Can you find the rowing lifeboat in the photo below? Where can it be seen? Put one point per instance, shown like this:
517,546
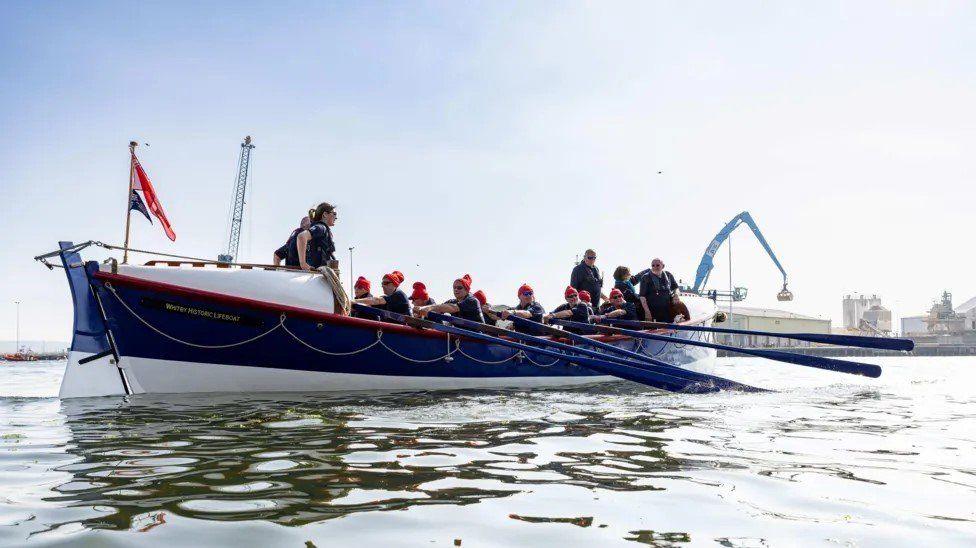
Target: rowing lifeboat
180,328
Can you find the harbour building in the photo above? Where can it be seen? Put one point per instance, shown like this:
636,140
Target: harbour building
866,316
772,321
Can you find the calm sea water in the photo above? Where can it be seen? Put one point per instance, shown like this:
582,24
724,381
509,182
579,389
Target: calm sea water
828,460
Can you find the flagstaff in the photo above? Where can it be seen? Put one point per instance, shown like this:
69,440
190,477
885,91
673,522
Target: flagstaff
128,201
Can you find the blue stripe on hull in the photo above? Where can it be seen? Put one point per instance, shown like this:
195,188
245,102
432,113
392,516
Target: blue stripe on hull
283,342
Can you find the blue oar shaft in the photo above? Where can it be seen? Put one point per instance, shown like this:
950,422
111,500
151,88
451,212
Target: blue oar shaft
631,356
829,364
651,364
656,380
881,343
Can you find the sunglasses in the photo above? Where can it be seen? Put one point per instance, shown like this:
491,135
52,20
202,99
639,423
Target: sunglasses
655,265
386,282
593,258
459,288
572,297
526,293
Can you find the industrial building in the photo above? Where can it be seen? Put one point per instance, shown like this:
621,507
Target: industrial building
866,315
769,320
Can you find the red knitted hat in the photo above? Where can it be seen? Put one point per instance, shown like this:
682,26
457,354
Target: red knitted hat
570,290
396,277
525,288
419,292
482,298
465,281
585,296
614,293
363,283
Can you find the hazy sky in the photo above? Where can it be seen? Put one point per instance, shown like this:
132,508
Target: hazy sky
502,139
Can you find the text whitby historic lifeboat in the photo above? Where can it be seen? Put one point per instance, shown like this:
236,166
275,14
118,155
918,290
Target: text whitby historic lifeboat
177,327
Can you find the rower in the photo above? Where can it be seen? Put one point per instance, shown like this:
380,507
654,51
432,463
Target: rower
463,305
584,296
392,299
419,297
527,308
486,311
617,307
656,291
289,251
361,291
315,245
573,309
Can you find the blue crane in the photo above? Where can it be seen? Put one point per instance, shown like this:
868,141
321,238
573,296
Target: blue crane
705,267
237,211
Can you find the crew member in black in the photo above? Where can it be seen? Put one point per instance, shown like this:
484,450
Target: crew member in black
463,305
617,307
315,245
656,291
528,308
486,312
392,299
587,277
289,251
419,297
573,309
362,292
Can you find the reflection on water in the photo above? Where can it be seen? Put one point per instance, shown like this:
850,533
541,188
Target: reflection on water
827,463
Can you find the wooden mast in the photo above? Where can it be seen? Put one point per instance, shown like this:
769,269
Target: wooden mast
128,201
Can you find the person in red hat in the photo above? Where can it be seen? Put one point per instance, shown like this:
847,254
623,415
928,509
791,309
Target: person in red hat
617,307
419,297
527,308
573,309
392,298
486,311
587,300
463,305
361,291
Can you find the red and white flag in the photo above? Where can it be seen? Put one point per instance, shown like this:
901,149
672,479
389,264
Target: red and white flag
140,182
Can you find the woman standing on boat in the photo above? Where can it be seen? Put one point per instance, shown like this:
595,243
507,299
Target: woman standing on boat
392,299
315,245
657,289
624,282
463,305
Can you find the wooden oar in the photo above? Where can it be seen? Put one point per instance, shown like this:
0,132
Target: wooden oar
649,378
842,366
627,357
859,341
